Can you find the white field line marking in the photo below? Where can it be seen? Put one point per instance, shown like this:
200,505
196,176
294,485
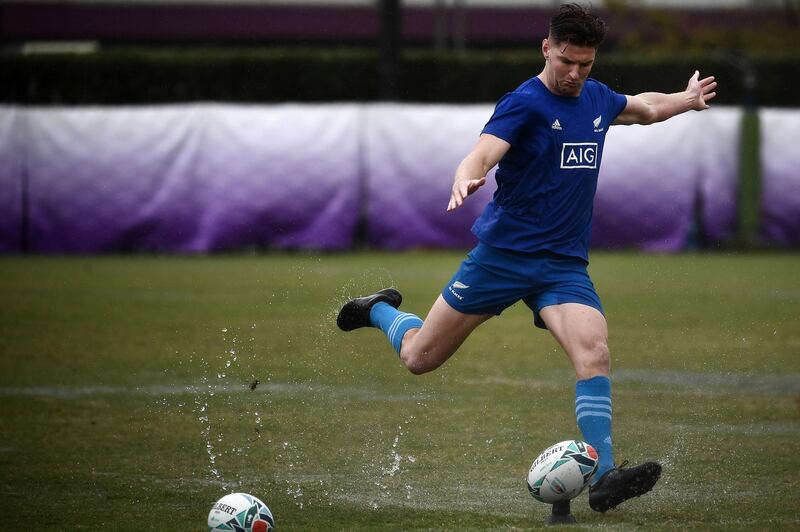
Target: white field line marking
309,391
785,384
771,384
750,429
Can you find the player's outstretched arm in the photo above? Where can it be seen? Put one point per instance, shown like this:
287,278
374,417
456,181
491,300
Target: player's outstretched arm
651,107
471,173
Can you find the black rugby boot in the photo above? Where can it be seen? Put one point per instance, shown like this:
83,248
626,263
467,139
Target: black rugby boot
620,484
355,313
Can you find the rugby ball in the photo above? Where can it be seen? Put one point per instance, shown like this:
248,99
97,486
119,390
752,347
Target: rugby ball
240,512
562,471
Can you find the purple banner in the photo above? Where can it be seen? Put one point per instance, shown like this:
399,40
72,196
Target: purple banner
192,178
648,193
284,176
201,178
11,180
411,157
654,180
644,201
113,179
780,176
717,139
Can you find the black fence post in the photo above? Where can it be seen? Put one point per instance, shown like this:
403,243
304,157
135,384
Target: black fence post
390,47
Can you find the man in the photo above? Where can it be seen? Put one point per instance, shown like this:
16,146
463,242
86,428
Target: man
547,137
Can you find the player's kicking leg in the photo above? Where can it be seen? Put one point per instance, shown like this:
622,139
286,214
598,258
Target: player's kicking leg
421,346
582,332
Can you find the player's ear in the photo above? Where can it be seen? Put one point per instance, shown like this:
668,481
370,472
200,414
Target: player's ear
546,48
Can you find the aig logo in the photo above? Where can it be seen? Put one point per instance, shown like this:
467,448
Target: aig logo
579,155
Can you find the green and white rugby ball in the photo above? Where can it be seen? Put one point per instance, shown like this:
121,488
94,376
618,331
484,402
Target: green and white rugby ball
562,471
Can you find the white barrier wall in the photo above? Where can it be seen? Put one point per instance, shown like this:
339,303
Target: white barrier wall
411,155
11,179
780,176
654,180
192,178
213,177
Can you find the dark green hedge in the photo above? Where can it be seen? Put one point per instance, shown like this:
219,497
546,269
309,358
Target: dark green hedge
136,76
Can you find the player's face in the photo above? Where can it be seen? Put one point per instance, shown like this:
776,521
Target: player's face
567,66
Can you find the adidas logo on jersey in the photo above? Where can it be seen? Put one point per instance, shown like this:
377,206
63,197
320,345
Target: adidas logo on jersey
556,125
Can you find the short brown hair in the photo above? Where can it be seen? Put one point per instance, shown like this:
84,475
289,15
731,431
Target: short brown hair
575,25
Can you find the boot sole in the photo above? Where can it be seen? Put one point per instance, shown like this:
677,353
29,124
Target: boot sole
637,487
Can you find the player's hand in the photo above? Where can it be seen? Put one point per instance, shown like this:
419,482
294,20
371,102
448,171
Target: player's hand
461,189
701,91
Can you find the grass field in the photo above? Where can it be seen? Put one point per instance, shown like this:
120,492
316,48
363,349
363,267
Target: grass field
126,401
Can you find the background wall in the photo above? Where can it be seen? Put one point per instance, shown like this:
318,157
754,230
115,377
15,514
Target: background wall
197,178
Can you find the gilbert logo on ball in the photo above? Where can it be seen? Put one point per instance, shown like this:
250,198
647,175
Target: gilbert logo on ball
240,512
562,471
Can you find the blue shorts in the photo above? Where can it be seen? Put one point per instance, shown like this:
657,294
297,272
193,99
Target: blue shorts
492,279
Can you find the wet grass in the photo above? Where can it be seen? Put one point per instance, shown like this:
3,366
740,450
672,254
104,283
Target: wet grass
126,400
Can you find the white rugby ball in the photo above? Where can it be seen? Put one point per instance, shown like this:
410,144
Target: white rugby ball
240,512
562,471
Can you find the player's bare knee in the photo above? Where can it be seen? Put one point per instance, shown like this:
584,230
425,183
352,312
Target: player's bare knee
598,359
419,359
419,367
415,361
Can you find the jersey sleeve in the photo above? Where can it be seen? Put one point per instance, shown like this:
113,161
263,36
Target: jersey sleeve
616,103
509,118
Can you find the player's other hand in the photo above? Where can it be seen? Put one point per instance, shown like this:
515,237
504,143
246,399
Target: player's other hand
701,91
461,189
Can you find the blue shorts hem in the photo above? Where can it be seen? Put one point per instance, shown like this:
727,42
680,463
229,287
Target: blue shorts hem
539,322
491,280
456,304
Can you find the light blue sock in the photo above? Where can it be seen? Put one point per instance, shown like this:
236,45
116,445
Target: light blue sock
593,412
394,323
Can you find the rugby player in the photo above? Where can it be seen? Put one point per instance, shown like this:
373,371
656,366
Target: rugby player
533,237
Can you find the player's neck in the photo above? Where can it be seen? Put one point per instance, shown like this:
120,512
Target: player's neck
549,85
544,79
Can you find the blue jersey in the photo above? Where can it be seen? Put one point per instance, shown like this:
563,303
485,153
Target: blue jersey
547,180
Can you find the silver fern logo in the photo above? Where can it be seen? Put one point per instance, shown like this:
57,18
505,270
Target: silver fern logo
457,285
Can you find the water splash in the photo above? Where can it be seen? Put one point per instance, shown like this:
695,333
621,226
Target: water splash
215,398
388,475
